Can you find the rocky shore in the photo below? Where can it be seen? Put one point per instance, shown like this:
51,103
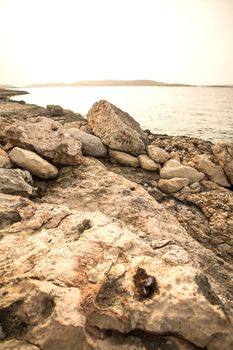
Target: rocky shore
112,237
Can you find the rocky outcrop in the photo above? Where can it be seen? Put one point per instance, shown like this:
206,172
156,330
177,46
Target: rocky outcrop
123,158
5,161
117,129
147,163
173,168
30,161
213,171
172,185
47,138
16,181
91,144
224,153
158,154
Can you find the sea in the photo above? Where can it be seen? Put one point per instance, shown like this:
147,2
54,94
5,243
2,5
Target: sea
203,112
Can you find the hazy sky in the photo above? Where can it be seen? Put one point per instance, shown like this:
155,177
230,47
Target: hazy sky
189,41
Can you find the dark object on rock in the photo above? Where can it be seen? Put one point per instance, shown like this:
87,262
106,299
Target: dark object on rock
146,285
55,110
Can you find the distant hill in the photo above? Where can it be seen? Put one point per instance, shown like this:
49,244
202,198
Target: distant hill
5,86
108,83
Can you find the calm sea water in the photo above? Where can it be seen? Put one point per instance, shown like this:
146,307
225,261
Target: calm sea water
202,112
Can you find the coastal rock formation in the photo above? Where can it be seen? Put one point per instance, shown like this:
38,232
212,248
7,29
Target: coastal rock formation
123,158
91,144
117,129
55,110
47,138
158,154
214,171
224,153
147,163
5,161
16,181
173,168
172,185
30,161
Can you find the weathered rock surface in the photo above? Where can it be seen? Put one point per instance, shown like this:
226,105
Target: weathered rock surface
214,171
55,110
172,185
158,154
47,138
91,144
123,158
16,181
77,271
172,168
224,153
5,161
147,163
32,162
117,129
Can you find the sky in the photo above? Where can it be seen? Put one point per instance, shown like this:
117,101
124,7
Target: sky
183,41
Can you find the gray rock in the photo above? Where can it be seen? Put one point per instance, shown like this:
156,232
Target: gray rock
172,185
147,163
91,144
158,154
16,182
30,161
123,158
224,153
47,138
55,110
117,129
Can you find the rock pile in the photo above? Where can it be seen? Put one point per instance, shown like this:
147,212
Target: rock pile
97,263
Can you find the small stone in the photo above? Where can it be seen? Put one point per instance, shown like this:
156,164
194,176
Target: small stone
173,169
172,185
147,163
55,110
158,154
124,158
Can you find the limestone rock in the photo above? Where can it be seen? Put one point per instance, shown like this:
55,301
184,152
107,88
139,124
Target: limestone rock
224,153
91,144
47,138
5,161
16,182
172,185
214,171
30,161
173,168
147,163
158,154
117,129
123,158
55,110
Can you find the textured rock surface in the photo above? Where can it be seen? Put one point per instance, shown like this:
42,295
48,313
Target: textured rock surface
91,144
32,162
172,185
147,163
214,171
5,161
158,154
123,158
172,168
224,153
73,267
16,181
117,129
55,110
47,138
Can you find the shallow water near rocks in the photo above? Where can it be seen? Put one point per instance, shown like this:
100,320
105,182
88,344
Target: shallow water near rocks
202,112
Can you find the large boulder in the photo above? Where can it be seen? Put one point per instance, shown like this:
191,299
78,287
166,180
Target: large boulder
55,110
224,153
123,158
172,185
158,154
91,144
5,161
214,171
47,138
32,162
172,168
117,129
17,182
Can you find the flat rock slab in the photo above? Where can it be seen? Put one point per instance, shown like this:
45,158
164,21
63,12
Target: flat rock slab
30,161
47,138
117,129
16,182
224,153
